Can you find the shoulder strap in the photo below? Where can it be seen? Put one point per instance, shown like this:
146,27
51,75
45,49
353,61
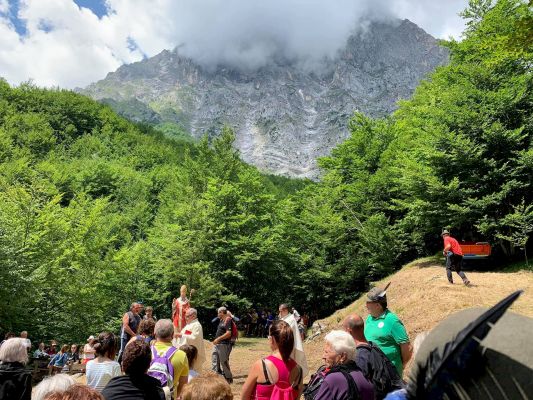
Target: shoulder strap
170,352
154,352
265,371
353,393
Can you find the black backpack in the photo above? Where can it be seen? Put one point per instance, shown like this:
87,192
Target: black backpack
383,373
312,388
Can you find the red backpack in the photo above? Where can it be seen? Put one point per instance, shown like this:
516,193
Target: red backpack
234,332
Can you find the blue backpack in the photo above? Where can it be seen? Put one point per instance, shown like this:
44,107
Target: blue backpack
161,367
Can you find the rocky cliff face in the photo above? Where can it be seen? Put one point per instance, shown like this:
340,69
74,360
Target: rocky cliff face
284,116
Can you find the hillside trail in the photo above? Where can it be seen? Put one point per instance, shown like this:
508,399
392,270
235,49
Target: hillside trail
419,294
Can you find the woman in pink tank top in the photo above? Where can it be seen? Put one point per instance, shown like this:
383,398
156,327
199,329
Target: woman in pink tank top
278,369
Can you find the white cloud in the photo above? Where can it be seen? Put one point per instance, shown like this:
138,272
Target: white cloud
68,46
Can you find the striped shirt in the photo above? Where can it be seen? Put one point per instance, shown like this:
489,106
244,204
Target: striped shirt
100,373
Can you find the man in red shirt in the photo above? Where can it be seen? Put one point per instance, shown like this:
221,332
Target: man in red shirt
454,257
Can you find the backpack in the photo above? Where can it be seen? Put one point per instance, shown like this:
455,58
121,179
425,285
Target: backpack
234,332
311,389
161,367
383,375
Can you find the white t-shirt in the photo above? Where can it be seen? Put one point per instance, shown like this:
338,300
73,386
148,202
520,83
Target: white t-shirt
100,373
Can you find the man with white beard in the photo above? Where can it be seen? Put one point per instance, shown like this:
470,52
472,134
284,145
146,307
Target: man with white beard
298,353
192,334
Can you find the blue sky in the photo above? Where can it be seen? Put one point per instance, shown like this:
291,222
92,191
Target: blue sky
96,6
72,43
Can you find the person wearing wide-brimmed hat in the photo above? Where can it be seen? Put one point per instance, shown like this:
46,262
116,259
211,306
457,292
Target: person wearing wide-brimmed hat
454,257
384,328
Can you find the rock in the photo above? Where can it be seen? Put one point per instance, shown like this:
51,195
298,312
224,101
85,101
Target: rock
284,116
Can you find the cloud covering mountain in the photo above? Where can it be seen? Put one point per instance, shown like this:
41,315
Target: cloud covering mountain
57,42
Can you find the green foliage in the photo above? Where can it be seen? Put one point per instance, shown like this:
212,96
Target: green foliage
97,212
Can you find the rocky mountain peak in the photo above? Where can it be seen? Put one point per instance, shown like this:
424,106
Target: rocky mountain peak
285,114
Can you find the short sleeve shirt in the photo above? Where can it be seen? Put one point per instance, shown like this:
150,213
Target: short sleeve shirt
387,332
178,360
223,327
455,247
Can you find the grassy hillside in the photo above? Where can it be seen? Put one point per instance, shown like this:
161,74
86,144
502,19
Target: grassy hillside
422,297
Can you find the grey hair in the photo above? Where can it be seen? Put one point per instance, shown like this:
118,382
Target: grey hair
56,383
164,329
192,311
14,350
342,342
223,310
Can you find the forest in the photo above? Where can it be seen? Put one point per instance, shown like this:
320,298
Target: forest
97,211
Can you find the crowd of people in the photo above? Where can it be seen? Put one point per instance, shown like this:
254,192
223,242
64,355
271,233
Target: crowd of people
164,359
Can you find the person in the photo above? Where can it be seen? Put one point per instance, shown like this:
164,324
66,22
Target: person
385,329
15,379
279,367
24,335
269,321
192,355
298,353
454,257
145,332
130,324
58,361
149,314
374,364
52,349
493,357
75,392
192,334
209,386
164,332
179,309
40,352
72,357
88,350
222,345
339,354
56,383
104,367
135,384
7,336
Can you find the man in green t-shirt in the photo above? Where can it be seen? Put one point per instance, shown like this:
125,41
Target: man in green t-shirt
386,330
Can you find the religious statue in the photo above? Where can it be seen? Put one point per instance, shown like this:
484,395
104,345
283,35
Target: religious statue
179,308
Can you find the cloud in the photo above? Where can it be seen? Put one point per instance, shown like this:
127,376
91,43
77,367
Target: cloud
68,46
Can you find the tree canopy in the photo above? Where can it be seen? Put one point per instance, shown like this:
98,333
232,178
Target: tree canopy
97,212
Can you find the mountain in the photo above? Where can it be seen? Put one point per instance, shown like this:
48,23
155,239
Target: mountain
284,116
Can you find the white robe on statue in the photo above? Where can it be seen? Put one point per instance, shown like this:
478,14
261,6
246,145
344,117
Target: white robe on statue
193,334
298,353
